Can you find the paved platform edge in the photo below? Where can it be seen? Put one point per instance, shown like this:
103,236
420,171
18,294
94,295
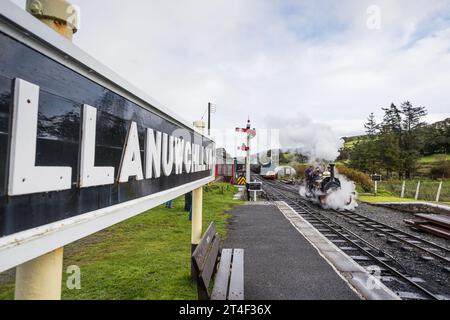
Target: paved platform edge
352,273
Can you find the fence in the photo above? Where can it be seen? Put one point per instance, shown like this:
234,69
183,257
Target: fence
428,189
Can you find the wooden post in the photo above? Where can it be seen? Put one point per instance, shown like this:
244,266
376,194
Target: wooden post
417,191
376,187
402,195
197,211
40,278
438,194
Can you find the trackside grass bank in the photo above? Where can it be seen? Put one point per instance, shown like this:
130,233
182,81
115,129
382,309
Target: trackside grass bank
146,257
389,198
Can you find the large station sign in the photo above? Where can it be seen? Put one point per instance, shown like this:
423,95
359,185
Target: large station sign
80,148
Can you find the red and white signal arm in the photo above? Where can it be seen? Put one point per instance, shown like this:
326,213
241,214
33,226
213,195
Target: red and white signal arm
250,132
244,147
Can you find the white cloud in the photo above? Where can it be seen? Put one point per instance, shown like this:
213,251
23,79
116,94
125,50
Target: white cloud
276,58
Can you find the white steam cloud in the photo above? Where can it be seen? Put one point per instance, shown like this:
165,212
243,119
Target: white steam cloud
343,198
312,139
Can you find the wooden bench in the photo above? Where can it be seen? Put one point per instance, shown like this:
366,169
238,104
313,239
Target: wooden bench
226,267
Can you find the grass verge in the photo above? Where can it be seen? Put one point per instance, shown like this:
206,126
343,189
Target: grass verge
146,257
389,198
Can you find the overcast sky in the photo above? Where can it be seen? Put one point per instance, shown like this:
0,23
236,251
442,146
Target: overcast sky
333,62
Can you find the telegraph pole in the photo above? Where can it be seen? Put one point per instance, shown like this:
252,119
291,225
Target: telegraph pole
209,118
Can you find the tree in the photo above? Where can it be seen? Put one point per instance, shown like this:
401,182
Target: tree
412,116
371,126
397,142
371,146
392,120
410,140
389,140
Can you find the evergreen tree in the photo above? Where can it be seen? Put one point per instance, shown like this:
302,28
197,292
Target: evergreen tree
370,146
411,142
396,144
392,120
390,137
371,126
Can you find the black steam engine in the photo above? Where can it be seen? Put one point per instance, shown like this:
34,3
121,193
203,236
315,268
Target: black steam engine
331,182
319,184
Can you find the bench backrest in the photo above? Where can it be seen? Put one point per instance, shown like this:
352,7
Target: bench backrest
204,260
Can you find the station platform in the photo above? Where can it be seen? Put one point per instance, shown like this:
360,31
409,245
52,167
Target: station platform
279,262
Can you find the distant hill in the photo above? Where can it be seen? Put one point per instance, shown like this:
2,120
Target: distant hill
349,141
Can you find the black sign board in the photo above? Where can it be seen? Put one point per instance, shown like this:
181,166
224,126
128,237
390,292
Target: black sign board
254,186
376,177
70,145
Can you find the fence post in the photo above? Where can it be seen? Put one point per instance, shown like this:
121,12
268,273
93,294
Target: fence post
417,191
402,195
438,195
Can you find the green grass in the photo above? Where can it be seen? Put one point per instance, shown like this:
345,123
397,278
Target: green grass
428,189
350,144
386,196
146,257
434,158
382,198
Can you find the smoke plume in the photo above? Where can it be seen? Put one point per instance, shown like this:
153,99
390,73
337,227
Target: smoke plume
341,199
315,140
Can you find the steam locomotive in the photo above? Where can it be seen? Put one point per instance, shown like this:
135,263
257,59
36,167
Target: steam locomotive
319,186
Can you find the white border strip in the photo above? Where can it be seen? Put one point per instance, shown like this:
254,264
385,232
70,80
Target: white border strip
26,245
43,39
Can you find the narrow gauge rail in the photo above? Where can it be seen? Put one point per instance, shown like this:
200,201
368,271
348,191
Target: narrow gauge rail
349,241
371,225
399,235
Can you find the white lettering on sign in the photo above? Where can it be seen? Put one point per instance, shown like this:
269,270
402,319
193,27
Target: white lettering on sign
90,175
179,146
187,157
169,153
152,154
24,176
131,164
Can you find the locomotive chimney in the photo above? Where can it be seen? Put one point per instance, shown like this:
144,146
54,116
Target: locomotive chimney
332,165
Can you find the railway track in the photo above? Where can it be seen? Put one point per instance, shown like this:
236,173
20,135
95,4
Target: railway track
364,253
393,234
